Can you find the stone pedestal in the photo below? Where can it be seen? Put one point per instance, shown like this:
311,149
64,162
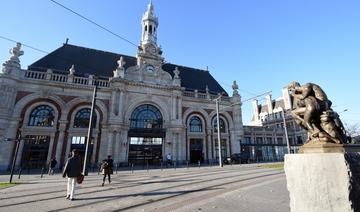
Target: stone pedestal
319,182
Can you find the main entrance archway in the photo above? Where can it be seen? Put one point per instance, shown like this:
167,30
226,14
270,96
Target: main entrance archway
146,135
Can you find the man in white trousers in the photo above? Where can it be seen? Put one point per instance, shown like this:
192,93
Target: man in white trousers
72,170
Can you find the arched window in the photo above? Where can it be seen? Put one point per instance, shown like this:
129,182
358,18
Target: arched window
195,124
146,116
222,125
43,116
145,28
82,118
150,29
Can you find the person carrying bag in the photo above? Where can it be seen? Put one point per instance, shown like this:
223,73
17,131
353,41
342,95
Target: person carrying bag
107,169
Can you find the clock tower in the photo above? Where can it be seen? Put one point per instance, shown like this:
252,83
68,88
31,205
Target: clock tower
149,53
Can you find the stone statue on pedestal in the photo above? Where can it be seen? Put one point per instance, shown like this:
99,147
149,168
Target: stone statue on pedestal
313,112
14,62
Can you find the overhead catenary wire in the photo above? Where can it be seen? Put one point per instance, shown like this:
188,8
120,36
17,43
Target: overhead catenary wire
93,22
31,47
46,52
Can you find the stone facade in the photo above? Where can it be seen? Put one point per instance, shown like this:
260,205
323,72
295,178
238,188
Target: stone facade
47,107
265,138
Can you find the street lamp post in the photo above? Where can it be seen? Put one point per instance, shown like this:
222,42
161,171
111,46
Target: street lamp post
86,159
286,132
218,130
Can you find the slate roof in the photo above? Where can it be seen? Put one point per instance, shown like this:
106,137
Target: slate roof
96,62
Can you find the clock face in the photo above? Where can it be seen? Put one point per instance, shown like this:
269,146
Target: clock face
150,69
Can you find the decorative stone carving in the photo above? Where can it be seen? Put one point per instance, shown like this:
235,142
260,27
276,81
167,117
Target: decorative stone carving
235,88
176,73
72,70
313,112
120,70
176,80
14,62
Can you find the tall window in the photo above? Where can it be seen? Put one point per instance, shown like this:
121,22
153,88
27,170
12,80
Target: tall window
222,125
82,118
146,116
195,124
43,116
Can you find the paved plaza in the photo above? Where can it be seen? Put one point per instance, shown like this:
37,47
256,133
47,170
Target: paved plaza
231,188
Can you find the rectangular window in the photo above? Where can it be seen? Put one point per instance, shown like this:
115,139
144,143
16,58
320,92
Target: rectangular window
269,140
279,140
259,140
247,140
78,140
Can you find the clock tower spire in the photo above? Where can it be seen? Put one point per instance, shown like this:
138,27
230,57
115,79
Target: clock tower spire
149,52
149,26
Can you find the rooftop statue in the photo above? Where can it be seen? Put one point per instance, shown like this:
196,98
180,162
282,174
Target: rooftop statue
313,112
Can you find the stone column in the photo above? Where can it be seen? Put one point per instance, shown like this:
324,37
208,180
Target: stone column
209,144
173,143
110,146
52,139
121,105
68,147
93,156
19,155
118,145
6,149
168,142
60,141
113,101
124,142
103,143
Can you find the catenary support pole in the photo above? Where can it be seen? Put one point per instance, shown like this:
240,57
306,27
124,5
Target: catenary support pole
86,158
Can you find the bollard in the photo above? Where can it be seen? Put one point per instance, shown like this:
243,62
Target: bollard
98,169
161,164
132,168
117,165
20,170
174,165
187,164
147,166
42,172
199,164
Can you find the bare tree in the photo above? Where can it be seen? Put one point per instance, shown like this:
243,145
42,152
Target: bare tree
353,131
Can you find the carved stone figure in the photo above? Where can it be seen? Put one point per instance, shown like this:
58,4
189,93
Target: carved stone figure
120,70
313,112
235,88
14,61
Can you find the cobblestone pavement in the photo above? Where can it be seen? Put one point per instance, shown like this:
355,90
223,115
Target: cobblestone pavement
231,188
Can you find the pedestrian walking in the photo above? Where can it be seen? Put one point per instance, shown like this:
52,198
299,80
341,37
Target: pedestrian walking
107,169
72,170
168,159
52,165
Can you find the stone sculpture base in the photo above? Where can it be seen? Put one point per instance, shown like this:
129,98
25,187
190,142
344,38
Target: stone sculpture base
319,182
328,148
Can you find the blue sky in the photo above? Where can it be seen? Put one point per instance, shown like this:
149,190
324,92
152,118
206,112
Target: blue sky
262,44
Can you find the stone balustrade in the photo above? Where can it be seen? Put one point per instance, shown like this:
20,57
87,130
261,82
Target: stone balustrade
62,78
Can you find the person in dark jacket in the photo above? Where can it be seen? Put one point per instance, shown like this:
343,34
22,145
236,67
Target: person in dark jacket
72,170
107,168
52,165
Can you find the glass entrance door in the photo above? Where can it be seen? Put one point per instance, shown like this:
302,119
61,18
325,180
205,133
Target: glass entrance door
144,150
35,151
196,148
